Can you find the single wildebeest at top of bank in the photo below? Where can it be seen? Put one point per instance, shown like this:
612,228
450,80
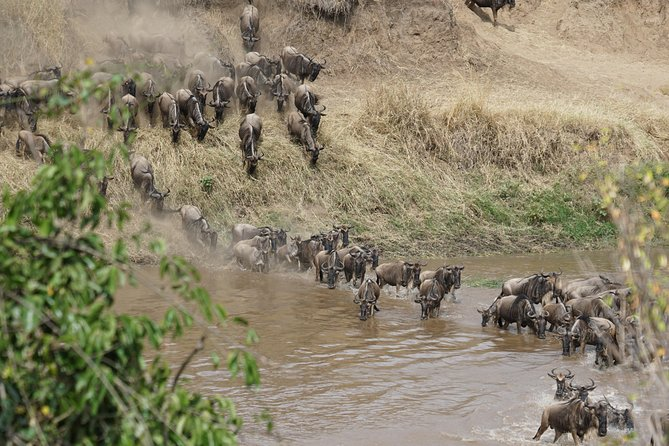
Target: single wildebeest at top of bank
299,65
495,5
249,25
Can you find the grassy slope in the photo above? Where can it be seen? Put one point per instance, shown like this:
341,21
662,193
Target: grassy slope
416,172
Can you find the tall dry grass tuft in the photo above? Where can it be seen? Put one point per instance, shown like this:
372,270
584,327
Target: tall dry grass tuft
333,9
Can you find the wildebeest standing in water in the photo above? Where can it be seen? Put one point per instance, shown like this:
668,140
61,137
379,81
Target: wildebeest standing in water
367,296
574,416
250,130
249,25
495,5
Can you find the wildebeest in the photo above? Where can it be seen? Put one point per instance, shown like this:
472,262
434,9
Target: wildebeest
39,92
432,292
300,65
157,43
592,306
282,87
581,392
395,274
14,101
212,66
562,392
557,315
143,179
305,102
307,250
198,85
247,93
249,25
489,313
103,184
367,296
659,421
245,231
38,144
457,273
535,287
519,309
329,263
590,290
288,252
196,226
619,418
270,67
264,246
595,331
221,96
250,130
249,257
495,5
574,416
190,109
299,128
169,111
355,263
129,116
147,94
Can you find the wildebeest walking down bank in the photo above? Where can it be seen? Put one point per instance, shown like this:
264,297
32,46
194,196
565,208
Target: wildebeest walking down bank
250,130
190,109
36,143
249,25
299,129
299,65
196,226
495,5
169,111
247,93
143,180
221,96
305,102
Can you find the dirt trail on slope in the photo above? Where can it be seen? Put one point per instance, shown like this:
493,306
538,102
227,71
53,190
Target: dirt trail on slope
575,49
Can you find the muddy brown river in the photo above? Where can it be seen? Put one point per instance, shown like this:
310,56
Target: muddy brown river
330,379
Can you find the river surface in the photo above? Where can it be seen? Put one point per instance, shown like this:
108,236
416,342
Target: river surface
330,379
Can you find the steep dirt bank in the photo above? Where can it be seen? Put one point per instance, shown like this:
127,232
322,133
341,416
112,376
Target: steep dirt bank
444,135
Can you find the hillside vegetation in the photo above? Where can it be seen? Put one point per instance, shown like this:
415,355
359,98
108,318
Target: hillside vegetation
444,136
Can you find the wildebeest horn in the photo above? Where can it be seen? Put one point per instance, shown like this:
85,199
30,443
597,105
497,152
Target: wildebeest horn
552,374
262,155
569,374
166,193
324,62
356,301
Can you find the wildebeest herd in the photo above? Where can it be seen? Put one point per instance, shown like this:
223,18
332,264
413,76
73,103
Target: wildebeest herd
595,311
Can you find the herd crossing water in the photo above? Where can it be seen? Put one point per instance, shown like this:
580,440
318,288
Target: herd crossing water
330,379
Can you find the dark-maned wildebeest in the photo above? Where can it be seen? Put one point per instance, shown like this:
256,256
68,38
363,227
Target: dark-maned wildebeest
247,93
196,226
519,310
198,85
330,264
221,96
432,292
562,392
581,392
299,128
307,250
289,252
263,244
590,290
495,5
249,25
169,111
282,87
250,130
536,287
190,109
16,103
574,416
395,274
619,418
299,65
595,331
367,296
592,306
147,94
489,313
355,263
305,102
249,257
270,67
37,143
557,315
456,270
143,179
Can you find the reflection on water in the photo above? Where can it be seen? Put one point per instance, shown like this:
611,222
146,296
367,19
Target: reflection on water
329,378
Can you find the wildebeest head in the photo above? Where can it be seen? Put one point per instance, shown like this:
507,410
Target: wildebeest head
158,200
368,301
314,68
583,391
456,276
599,411
487,313
281,237
562,392
332,267
622,419
129,86
511,3
539,321
202,130
314,119
415,273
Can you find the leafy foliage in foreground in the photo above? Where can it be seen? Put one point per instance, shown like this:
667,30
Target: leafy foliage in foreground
71,370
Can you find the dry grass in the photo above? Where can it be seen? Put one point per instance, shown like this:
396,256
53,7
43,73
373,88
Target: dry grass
334,9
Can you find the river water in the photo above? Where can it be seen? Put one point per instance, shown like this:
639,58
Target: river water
330,379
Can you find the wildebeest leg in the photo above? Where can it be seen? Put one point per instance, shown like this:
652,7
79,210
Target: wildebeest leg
542,428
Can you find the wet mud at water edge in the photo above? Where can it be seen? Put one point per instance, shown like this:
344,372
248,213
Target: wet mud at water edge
330,379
